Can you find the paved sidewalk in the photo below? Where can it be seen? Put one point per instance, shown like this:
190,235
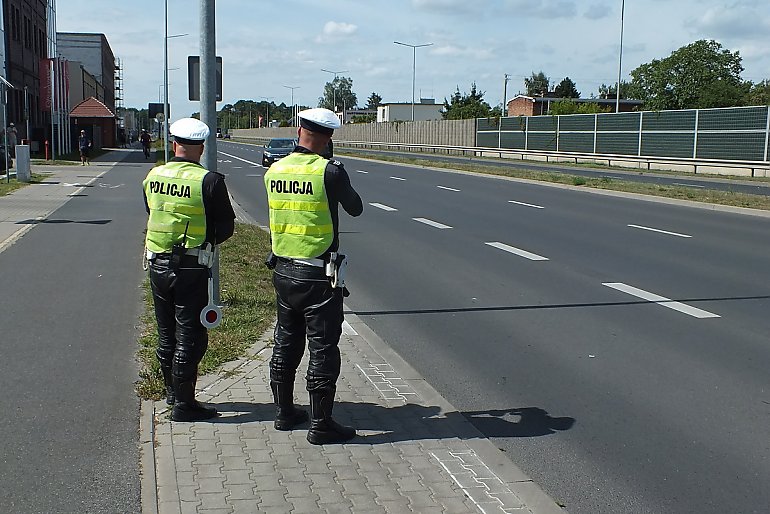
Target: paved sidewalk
414,451
23,208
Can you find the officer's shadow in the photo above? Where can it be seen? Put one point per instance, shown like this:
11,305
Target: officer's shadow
377,424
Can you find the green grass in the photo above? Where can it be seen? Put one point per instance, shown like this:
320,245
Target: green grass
12,185
513,170
248,309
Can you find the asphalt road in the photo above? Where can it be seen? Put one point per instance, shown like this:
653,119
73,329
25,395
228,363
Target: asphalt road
616,349
702,181
68,310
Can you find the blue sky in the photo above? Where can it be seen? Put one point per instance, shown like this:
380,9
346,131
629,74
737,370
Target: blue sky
266,45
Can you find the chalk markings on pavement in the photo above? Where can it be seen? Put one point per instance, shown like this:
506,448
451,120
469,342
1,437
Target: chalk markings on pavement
383,206
397,178
432,223
659,231
516,251
527,204
661,300
687,185
448,188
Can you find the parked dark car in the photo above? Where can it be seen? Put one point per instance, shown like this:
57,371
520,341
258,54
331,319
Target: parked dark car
277,148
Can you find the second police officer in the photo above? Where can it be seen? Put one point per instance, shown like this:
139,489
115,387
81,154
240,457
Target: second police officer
190,212
304,190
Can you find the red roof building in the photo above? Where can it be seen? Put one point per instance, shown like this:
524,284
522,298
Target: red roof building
96,119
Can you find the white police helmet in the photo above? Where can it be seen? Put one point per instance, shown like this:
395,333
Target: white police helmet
319,120
189,130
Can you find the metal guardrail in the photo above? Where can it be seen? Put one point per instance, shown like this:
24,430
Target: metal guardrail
755,168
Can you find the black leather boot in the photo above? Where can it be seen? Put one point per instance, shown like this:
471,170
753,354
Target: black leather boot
168,380
187,408
323,429
287,415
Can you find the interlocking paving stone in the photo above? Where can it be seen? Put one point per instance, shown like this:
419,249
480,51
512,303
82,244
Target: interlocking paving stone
407,457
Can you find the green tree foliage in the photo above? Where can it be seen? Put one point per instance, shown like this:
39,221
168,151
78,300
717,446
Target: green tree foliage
566,89
538,84
699,75
759,94
606,91
569,106
340,90
374,101
466,106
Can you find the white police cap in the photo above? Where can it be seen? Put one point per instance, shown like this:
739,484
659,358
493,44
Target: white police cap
321,117
189,130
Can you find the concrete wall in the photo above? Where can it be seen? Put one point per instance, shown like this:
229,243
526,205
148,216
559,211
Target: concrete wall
437,132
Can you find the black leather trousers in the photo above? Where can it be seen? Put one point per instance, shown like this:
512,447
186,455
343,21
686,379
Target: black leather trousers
179,296
308,307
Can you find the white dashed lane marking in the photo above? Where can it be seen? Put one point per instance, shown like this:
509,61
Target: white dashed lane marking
448,188
432,223
527,204
362,171
397,178
686,185
516,251
661,300
383,207
659,231
348,330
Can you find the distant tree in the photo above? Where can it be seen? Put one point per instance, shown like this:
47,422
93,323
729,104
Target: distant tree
607,92
538,84
363,118
466,106
569,106
566,89
699,75
340,90
374,101
759,93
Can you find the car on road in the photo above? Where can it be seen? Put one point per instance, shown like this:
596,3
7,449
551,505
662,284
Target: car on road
277,148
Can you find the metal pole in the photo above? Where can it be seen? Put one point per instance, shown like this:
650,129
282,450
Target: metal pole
767,132
208,102
26,111
53,110
165,83
414,66
504,109
620,58
4,92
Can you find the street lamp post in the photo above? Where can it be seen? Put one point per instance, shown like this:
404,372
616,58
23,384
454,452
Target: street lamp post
334,87
620,58
414,65
166,37
293,107
267,108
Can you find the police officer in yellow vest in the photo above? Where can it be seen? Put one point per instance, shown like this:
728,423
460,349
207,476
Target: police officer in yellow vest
190,212
304,190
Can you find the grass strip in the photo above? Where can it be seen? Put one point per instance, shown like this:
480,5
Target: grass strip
729,198
12,185
248,309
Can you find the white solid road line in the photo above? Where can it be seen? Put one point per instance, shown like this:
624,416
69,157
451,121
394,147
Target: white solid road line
432,223
361,171
448,188
517,251
527,204
686,185
661,300
659,230
397,178
383,207
239,158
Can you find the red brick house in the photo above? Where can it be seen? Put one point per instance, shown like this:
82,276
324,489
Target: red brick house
96,119
522,105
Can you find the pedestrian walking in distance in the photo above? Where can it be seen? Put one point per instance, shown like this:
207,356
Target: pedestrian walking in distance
85,144
304,191
190,213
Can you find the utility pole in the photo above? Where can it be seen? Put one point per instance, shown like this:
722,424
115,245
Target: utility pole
620,58
334,87
506,78
414,65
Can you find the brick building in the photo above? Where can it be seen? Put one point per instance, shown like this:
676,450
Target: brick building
26,43
522,105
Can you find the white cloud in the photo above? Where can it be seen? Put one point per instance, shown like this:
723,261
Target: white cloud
598,11
442,6
333,28
464,52
547,9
